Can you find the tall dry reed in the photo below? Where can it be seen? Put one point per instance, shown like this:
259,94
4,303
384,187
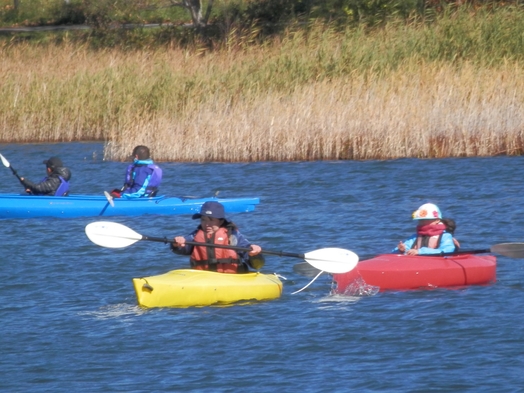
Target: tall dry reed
311,94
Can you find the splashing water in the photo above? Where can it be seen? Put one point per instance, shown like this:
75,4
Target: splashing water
358,288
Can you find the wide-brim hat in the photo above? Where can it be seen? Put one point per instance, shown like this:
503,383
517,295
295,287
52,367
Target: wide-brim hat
53,162
211,209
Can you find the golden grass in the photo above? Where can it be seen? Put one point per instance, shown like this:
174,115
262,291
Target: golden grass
437,112
324,96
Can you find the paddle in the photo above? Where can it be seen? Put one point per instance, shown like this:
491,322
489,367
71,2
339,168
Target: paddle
8,165
109,199
510,250
114,235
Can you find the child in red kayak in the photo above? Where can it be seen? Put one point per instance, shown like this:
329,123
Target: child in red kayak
434,233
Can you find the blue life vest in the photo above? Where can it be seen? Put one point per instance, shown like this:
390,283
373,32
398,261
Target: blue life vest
63,189
143,177
156,179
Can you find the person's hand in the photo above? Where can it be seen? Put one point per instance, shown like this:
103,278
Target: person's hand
255,250
116,193
412,252
179,241
401,247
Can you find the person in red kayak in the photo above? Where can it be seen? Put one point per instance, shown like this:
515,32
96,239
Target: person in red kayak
434,233
214,228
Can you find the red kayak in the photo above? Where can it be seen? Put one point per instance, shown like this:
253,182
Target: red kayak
401,272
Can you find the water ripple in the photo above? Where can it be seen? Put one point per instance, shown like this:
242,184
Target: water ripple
70,320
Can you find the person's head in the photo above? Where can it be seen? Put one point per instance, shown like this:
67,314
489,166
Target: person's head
428,213
53,163
141,152
450,224
212,216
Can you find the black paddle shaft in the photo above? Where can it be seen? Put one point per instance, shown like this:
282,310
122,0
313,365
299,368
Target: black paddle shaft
16,174
279,253
485,251
8,164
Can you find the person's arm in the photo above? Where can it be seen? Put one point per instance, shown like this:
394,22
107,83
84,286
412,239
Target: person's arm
128,179
45,187
186,249
407,245
446,245
241,241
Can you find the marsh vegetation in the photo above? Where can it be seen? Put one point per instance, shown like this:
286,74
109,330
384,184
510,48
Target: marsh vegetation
407,88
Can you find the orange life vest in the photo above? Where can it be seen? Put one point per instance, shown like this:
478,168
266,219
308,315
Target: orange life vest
220,260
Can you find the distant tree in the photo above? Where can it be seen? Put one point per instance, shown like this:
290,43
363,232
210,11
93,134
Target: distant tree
195,9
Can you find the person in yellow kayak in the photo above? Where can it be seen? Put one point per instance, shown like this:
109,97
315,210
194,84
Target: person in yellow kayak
214,228
434,233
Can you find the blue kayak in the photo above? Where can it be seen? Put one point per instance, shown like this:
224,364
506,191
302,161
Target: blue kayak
30,206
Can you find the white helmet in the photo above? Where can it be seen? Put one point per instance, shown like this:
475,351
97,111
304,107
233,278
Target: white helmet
427,211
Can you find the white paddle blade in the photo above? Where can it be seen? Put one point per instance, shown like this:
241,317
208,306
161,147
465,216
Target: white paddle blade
111,234
332,260
4,161
109,198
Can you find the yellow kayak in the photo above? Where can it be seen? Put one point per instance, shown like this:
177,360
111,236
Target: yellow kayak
187,288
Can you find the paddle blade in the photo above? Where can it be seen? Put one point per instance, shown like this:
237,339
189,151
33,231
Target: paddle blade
111,234
511,250
4,161
109,198
305,269
332,260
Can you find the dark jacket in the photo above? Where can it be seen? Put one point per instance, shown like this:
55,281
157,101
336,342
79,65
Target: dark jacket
50,184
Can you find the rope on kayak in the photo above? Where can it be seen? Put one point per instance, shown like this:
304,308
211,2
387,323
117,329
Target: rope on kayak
311,282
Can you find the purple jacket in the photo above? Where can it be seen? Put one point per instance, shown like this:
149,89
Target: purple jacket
143,177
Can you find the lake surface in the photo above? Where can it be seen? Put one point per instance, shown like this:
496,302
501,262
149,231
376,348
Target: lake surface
70,322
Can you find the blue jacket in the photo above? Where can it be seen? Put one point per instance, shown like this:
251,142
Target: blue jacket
241,241
143,178
446,245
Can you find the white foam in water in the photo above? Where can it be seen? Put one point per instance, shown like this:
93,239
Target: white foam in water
115,311
360,288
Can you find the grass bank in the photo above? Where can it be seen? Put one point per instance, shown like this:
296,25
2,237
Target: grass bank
454,87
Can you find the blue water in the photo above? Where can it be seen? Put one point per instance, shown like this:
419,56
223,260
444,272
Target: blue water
69,320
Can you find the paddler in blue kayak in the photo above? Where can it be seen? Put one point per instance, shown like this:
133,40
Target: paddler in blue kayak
143,176
56,182
434,233
214,228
